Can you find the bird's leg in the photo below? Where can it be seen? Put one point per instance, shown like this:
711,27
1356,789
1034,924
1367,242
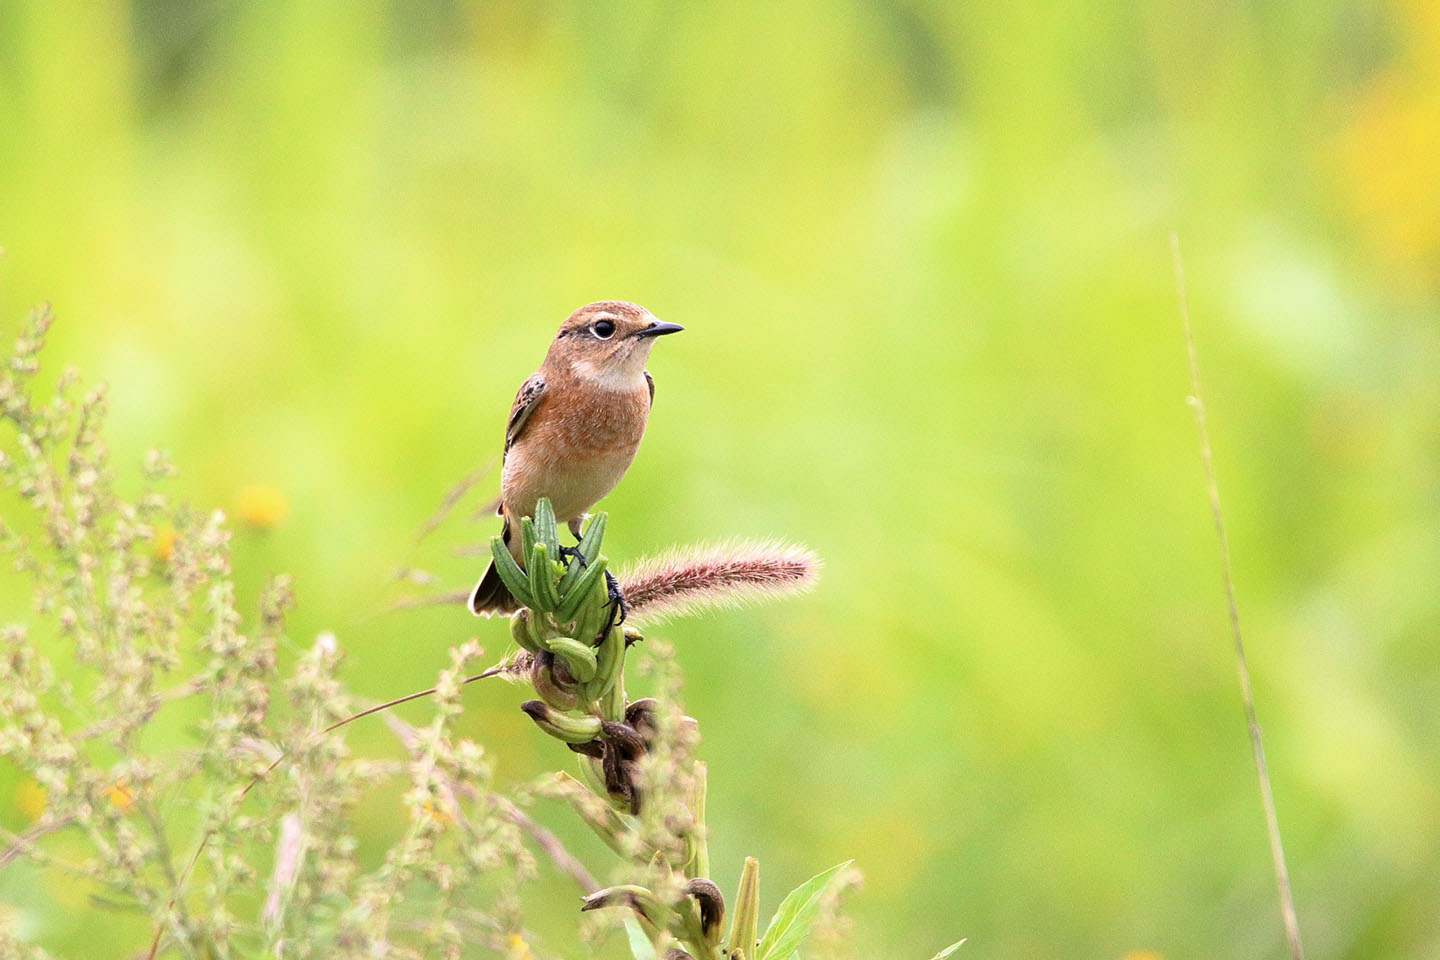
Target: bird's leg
617,599
567,552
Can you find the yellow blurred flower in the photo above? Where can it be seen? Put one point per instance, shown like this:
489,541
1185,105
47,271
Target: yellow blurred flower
1142,955
261,505
121,795
519,949
30,799
438,812
1390,156
162,545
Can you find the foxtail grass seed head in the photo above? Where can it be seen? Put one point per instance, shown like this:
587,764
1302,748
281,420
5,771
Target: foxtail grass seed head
688,580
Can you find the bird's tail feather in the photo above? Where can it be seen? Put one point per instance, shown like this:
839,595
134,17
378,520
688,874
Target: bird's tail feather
490,595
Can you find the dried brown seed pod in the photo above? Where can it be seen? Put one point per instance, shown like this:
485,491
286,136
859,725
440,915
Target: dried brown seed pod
590,748
640,714
712,906
625,738
620,776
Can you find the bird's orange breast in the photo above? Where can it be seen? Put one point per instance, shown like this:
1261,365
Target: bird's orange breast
574,449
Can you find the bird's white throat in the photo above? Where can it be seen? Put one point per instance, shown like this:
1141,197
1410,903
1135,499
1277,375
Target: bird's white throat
626,374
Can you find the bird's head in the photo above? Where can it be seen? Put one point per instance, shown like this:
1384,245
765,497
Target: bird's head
608,342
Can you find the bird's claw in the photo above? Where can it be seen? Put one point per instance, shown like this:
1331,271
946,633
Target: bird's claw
568,553
617,599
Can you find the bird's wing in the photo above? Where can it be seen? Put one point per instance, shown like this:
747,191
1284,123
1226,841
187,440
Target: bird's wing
532,391
650,382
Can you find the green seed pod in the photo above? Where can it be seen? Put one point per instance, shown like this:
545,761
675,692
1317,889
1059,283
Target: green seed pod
577,656
510,572
541,627
542,579
542,677
527,538
562,726
612,704
590,620
520,630
607,665
593,535
545,528
589,550
581,590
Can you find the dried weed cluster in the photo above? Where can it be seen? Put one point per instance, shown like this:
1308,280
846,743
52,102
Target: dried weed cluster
175,770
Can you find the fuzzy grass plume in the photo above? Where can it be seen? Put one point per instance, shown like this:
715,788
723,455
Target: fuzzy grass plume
684,581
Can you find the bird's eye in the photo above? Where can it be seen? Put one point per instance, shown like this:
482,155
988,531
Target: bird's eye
603,329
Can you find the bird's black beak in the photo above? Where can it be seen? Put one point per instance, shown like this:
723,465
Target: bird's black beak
659,328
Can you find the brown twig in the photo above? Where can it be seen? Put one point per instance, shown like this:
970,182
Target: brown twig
1267,797
25,842
453,496
448,598
563,859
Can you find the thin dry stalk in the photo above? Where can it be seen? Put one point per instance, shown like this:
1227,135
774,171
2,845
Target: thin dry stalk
1267,797
564,860
453,496
448,598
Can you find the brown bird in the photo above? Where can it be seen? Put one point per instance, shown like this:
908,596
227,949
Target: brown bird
575,426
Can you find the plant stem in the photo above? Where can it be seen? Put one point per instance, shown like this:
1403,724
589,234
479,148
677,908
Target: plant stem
1247,697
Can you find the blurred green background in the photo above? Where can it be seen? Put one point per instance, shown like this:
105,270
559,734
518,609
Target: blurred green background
921,254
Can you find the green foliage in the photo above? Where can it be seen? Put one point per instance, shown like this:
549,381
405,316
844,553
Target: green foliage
919,249
798,912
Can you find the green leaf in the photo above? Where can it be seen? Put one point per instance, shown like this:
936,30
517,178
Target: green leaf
792,922
640,944
949,950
